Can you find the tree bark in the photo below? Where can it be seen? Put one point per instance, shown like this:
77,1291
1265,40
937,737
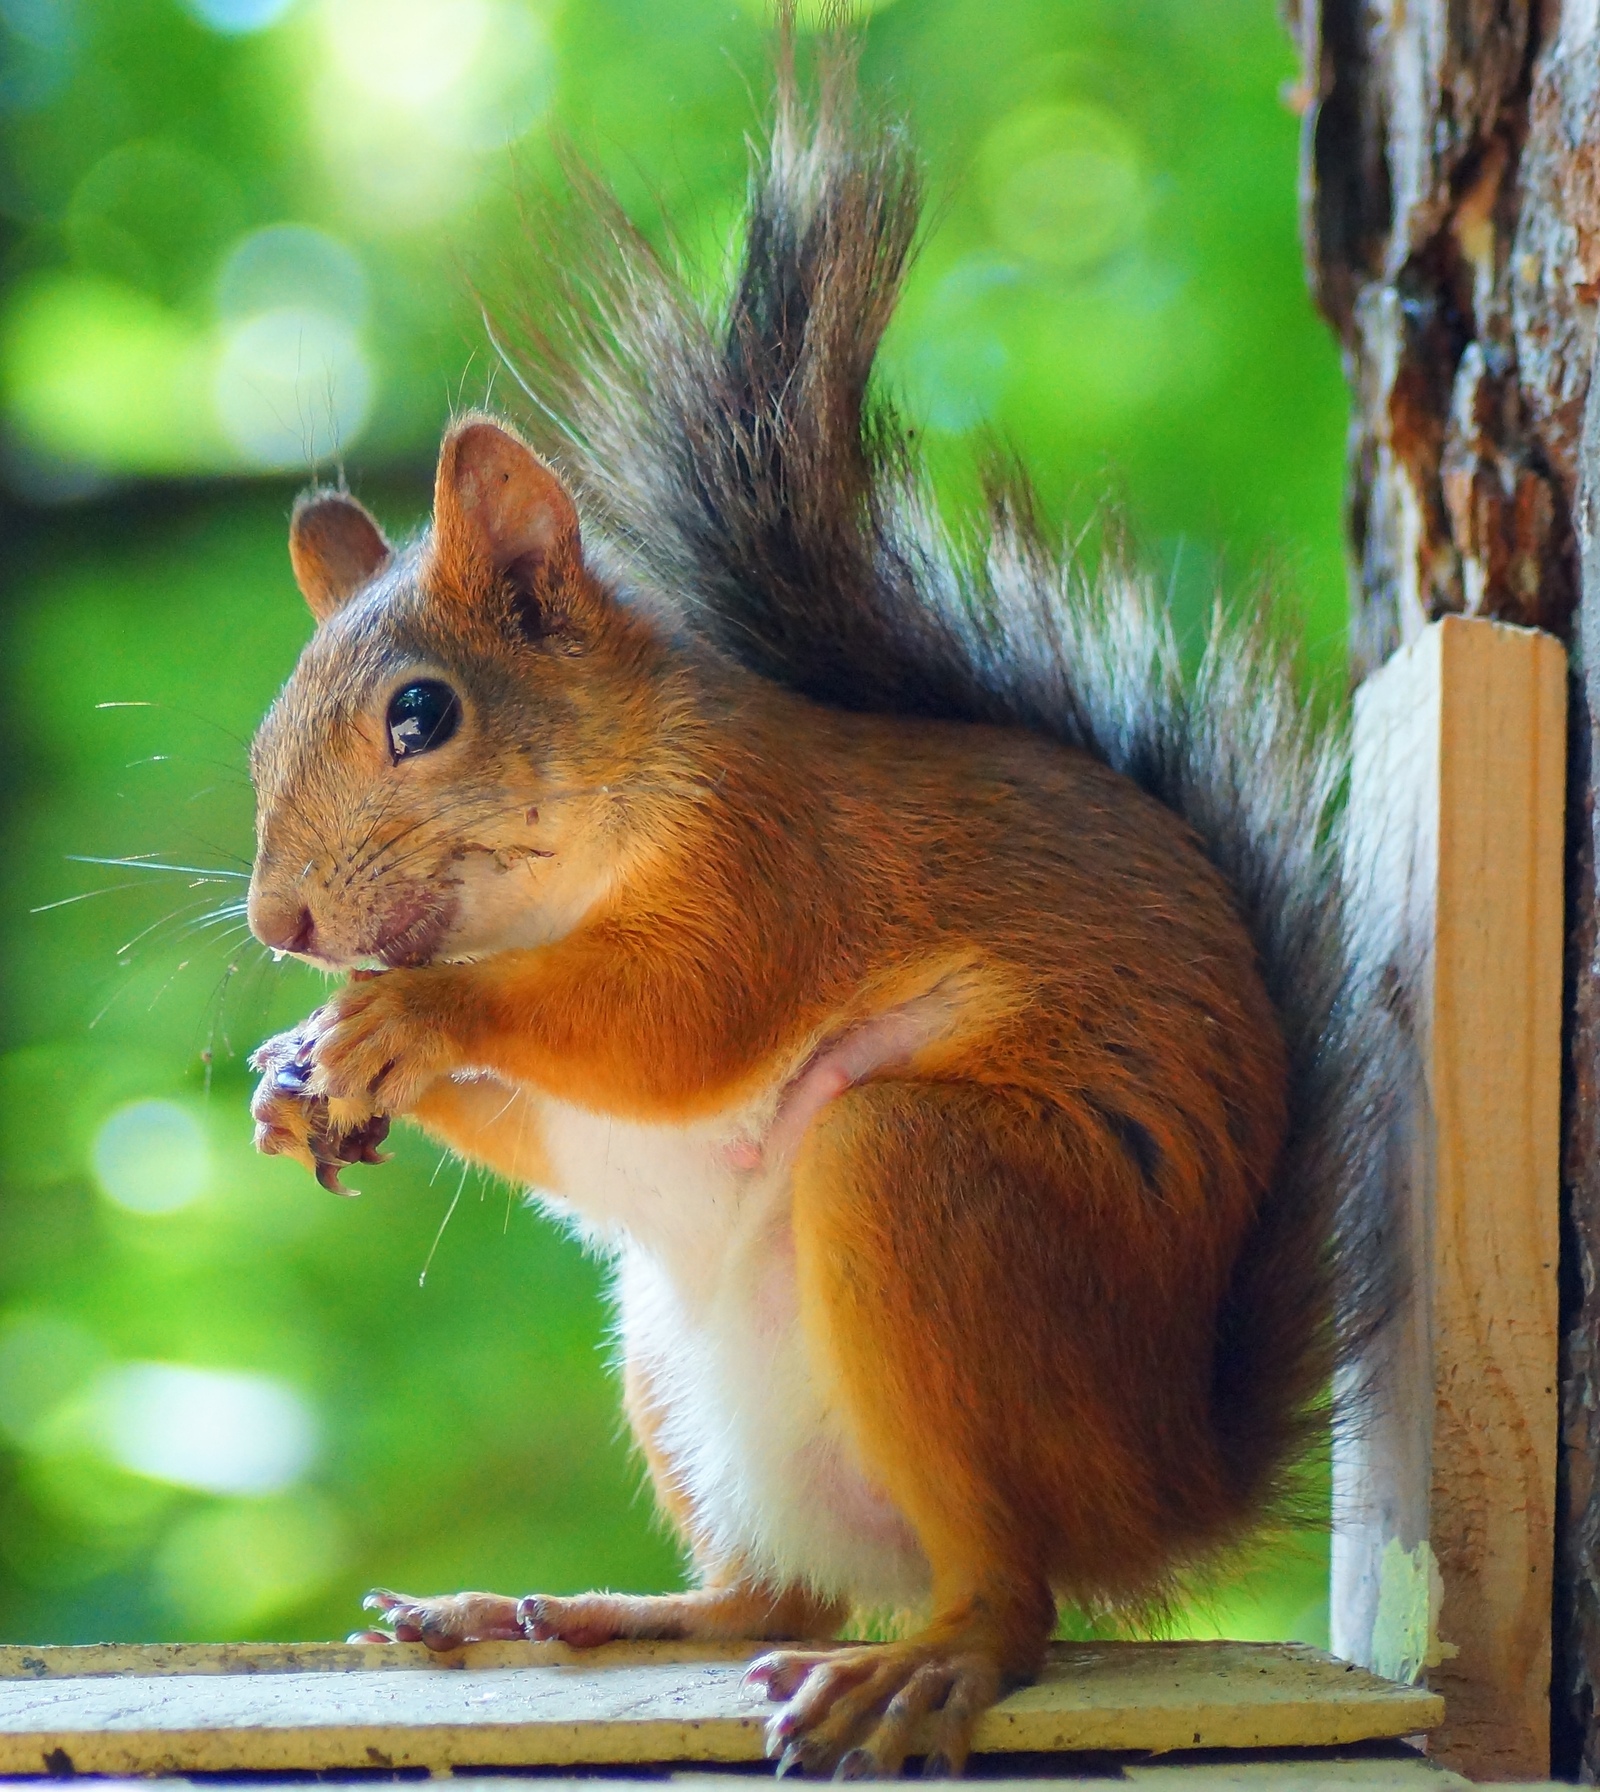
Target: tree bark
1450,193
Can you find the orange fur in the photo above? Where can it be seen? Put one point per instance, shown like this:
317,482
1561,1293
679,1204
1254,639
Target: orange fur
1014,1239
487,1122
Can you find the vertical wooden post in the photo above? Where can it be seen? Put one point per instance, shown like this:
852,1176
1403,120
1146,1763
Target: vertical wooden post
1444,1507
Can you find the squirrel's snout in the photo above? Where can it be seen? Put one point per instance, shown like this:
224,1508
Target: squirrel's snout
282,926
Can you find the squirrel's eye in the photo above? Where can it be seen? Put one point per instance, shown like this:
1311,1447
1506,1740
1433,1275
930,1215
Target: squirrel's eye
422,716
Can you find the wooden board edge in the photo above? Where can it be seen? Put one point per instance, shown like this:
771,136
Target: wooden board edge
73,1661
70,1661
1161,1729
721,1740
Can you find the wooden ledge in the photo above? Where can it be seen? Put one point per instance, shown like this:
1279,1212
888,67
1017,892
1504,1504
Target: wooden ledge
183,1708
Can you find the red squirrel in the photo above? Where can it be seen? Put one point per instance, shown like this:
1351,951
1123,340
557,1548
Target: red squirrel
942,1010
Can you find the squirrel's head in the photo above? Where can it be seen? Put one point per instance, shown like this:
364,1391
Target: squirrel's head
447,772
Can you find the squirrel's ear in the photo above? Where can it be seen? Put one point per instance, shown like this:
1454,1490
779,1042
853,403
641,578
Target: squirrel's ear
495,501
334,547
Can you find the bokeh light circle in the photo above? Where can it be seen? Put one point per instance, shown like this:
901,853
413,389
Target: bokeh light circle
289,265
237,18
1065,185
293,386
154,214
216,1430
240,1563
410,51
151,1157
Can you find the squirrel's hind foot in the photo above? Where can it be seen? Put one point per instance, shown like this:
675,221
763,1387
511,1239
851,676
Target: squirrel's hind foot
860,1711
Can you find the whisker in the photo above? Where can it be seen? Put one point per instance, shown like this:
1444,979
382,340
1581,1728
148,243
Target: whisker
84,896
214,1007
194,715
156,925
115,996
385,859
238,931
229,908
143,862
222,852
232,770
177,971
455,1201
382,810
202,922
355,870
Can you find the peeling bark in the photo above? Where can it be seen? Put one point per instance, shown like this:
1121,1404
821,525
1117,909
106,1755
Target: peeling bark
1445,145
1450,187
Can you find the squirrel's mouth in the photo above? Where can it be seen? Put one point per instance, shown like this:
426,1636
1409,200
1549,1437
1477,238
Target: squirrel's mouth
413,932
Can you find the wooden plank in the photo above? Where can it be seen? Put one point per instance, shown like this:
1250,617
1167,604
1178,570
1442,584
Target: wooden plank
308,1707
1444,1508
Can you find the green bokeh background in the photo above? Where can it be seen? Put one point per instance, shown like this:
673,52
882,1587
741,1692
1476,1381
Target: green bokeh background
1111,285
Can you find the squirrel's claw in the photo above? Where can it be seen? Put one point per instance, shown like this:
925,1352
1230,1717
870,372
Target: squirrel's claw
327,1173
337,1150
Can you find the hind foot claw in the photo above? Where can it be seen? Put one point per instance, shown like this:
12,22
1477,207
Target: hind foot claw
859,1712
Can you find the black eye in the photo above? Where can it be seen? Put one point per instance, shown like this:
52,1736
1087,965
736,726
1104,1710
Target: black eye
422,716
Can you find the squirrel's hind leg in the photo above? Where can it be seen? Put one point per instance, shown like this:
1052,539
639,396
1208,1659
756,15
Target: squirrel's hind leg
922,1222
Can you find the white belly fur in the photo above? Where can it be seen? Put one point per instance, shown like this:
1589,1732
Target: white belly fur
707,1305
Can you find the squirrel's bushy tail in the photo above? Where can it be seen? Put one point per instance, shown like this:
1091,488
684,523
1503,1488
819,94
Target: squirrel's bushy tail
742,463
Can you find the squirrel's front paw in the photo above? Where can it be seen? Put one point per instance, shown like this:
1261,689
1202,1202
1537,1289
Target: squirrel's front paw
379,1043
291,1121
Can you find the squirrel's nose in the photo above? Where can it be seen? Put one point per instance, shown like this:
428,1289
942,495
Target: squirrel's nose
282,926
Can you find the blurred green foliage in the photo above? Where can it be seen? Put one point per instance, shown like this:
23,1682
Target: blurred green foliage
239,242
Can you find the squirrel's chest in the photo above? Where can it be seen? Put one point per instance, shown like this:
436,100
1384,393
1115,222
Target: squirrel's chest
681,1192
698,1219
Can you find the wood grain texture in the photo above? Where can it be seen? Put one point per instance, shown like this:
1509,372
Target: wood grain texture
1445,1508
294,1708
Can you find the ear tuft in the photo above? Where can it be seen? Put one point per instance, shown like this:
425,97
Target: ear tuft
495,501
335,547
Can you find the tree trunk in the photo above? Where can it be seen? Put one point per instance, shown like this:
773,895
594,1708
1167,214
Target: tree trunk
1450,191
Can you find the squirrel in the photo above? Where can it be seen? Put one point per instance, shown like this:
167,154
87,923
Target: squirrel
945,1012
